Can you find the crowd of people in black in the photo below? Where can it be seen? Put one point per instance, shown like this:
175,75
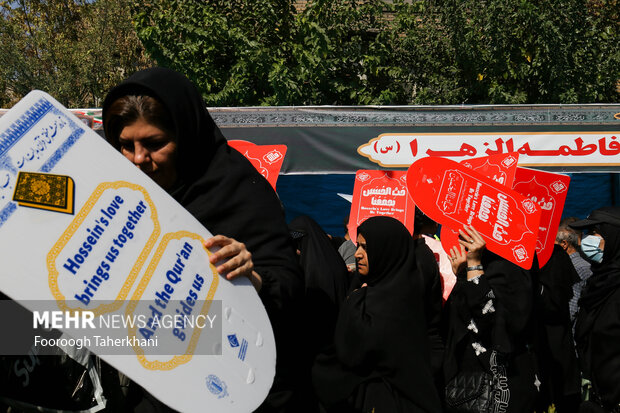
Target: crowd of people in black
378,335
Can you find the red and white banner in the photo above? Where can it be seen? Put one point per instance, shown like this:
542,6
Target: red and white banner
500,168
548,190
535,148
380,193
267,159
455,195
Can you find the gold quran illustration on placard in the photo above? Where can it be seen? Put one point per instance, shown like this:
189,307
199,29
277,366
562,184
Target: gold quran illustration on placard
44,191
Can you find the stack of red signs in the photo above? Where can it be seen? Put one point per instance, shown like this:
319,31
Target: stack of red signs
267,159
380,193
511,221
500,168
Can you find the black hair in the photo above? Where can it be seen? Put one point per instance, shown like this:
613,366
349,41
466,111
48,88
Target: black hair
126,110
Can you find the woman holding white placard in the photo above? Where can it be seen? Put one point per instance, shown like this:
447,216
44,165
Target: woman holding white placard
158,120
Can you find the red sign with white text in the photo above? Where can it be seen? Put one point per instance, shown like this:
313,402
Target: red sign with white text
380,193
548,190
455,195
267,159
500,168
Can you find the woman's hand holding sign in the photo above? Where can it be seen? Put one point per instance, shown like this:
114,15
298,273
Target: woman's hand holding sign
458,257
238,259
472,246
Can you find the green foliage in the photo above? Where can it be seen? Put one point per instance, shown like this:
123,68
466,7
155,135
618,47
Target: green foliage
425,54
73,49
341,52
524,51
226,47
263,53
359,52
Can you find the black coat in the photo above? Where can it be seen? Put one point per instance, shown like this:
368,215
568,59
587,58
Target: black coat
597,331
223,191
489,328
559,368
381,358
433,306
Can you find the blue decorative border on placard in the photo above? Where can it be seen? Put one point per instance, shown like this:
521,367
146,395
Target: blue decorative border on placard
22,126
60,152
78,131
6,212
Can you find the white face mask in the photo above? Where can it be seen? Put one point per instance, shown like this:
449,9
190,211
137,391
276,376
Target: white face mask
590,247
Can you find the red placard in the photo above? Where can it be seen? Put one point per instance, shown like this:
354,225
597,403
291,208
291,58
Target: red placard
267,159
455,195
500,168
549,191
378,193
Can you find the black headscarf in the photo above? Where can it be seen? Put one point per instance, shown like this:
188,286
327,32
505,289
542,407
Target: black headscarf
219,187
198,138
223,191
381,330
325,272
387,252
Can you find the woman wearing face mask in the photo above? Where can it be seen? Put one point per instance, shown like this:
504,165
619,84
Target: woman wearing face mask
597,332
592,246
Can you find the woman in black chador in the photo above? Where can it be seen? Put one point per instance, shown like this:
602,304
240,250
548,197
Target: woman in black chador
158,120
381,358
490,329
326,281
597,332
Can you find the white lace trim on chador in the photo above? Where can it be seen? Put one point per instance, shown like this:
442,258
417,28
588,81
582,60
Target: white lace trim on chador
478,348
472,326
488,307
537,383
500,380
475,280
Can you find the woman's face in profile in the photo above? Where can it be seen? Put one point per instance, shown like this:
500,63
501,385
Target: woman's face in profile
361,256
151,150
